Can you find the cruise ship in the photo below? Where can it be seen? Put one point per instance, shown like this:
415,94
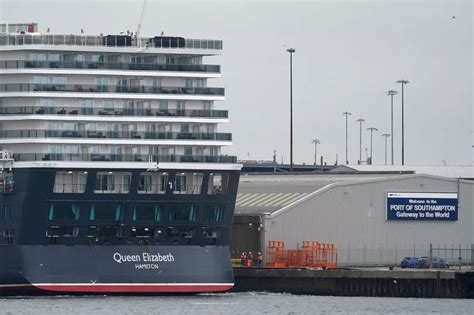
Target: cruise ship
112,175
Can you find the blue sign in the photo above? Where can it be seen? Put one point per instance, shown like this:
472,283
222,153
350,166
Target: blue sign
422,206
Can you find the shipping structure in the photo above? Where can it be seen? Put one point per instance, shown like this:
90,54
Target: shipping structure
112,175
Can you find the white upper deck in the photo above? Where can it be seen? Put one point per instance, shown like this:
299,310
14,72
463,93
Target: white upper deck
26,36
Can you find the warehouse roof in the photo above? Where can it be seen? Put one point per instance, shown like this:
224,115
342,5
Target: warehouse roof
268,193
436,170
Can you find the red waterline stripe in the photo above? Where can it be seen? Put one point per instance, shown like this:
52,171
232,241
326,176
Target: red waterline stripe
136,288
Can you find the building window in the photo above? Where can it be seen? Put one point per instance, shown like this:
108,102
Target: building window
214,213
7,211
111,212
63,211
183,213
147,212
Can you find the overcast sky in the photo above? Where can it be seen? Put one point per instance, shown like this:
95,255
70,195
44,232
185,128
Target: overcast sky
348,54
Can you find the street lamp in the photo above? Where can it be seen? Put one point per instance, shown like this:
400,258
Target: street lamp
371,129
360,120
291,51
386,135
403,82
316,142
391,93
347,114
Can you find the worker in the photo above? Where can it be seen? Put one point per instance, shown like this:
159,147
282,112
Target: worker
243,259
249,260
260,260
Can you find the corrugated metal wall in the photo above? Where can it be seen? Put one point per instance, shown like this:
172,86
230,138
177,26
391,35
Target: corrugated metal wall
353,216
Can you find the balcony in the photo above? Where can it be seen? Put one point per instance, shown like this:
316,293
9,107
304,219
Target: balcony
104,111
87,88
103,41
93,134
125,158
22,64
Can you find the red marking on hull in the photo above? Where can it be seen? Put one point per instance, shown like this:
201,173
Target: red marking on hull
143,288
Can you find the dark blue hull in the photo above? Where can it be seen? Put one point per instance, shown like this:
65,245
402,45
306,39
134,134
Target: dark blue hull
115,269
40,254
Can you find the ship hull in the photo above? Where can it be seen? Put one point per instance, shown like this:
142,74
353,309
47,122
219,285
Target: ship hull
114,269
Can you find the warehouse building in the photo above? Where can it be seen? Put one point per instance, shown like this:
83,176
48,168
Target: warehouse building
373,219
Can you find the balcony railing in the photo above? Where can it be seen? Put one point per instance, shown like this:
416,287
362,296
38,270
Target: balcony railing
103,111
22,64
32,87
101,41
124,157
41,133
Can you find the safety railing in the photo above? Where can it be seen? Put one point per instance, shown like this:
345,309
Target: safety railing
40,133
312,255
69,188
105,111
89,88
124,158
100,41
25,64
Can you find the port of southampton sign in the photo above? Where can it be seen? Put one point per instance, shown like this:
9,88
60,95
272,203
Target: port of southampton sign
422,206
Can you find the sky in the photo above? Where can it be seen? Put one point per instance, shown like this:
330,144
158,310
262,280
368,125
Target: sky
348,55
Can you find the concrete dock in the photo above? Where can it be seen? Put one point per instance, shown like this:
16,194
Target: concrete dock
358,282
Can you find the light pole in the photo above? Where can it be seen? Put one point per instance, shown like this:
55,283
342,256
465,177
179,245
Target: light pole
291,51
316,142
360,120
347,114
386,135
391,93
403,82
371,129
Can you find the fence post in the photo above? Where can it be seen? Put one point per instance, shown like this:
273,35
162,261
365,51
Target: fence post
460,256
431,251
349,254
396,255
364,255
472,256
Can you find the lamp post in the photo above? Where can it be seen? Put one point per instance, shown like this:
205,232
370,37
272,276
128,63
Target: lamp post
386,135
403,82
360,120
316,142
391,93
291,51
347,114
371,129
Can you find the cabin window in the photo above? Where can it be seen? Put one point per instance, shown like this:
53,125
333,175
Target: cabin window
64,211
214,213
7,211
183,213
218,183
70,181
147,212
152,183
112,182
58,231
111,212
188,183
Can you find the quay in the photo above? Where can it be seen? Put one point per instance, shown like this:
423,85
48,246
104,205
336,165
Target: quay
357,282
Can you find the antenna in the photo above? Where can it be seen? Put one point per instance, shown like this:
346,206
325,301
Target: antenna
140,23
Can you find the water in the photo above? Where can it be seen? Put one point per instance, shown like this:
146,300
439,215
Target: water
235,303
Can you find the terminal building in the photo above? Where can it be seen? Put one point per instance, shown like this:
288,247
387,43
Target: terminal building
373,217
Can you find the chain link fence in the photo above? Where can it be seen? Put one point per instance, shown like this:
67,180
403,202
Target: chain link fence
456,255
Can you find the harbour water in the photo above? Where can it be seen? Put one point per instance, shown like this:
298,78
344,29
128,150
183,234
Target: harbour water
235,303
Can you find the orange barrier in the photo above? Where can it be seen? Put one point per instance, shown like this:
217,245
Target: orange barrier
311,255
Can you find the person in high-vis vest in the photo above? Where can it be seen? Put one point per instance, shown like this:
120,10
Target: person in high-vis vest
249,260
243,259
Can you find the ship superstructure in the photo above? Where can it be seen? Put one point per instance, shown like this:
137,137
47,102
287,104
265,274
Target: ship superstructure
112,174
